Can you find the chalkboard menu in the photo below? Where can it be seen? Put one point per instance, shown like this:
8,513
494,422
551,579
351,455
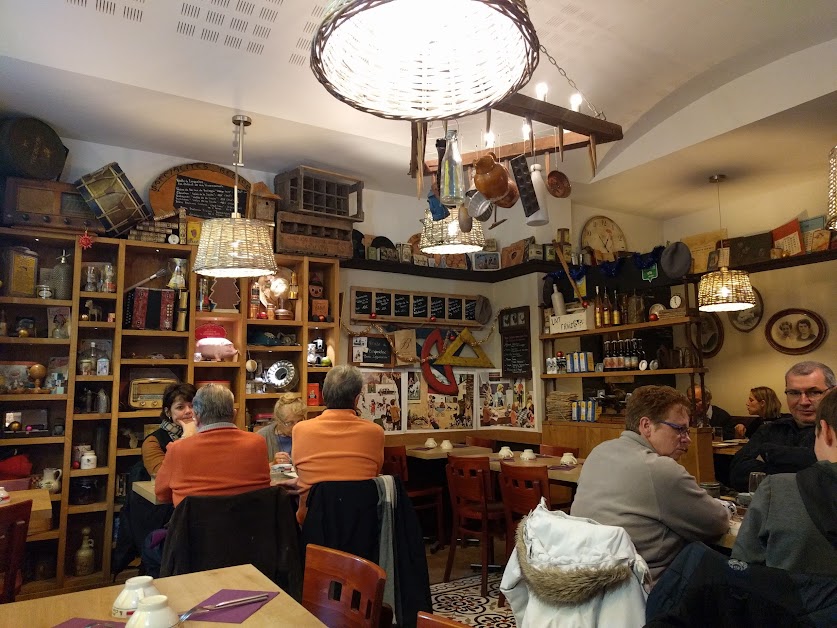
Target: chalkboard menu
383,303
206,199
437,307
470,309
363,303
371,350
419,307
454,309
515,342
402,305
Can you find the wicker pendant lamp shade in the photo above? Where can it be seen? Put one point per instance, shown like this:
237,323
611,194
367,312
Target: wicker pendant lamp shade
725,290
235,246
424,59
832,189
444,236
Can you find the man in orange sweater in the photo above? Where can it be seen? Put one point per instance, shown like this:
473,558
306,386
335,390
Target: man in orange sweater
219,459
337,445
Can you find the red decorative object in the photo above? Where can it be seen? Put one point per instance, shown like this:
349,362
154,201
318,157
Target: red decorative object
322,320
76,464
85,240
263,315
373,315
435,340
653,317
432,319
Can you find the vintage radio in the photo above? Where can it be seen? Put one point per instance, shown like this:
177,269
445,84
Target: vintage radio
149,308
147,392
47,205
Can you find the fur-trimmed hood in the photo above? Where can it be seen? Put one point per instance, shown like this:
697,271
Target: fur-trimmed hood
569,560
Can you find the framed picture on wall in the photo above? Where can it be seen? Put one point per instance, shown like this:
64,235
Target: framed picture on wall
711,334
748,320
795,331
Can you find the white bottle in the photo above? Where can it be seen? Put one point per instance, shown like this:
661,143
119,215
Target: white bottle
88,460
558,306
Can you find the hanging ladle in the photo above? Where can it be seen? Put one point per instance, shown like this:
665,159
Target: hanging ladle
557,182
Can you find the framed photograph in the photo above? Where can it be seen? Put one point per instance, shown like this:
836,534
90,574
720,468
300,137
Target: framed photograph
795,331
485,261
748,320
711,334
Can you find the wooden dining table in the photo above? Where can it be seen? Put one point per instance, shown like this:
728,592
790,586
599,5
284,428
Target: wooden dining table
564,476
437,453
40,519
183,592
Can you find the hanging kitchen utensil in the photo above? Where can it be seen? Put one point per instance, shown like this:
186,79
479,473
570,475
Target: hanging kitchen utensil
561,142
511,197
466,223
557,182
540,217
497,222
490,177
478,206
520,169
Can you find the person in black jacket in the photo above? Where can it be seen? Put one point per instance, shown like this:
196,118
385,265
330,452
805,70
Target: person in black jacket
710,414
786,445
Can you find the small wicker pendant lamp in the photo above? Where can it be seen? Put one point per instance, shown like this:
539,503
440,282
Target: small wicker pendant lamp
424,59
235,246
445,237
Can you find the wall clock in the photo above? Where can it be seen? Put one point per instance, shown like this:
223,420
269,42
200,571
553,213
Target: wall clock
604,237
282,374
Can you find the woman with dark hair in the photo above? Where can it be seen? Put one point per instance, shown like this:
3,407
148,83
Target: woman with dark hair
176,421
764,404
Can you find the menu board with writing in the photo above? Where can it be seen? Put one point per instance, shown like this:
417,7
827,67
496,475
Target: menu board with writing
371,351
517,354
470,309
419,307
437,307
383,303
402,305
454,310
363,303
206,199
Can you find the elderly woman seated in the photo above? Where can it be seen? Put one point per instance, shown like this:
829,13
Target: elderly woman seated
288,410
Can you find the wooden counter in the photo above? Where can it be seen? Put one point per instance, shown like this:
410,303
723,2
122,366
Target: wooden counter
697,461
41,518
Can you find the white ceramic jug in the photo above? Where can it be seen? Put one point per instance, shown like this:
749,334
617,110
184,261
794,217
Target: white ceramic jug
51,480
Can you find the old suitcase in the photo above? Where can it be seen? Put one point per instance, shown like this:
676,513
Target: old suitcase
113,199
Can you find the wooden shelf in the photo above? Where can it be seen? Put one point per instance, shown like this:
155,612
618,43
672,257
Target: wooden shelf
319,369
136,451
274,322
37,587
679,371
315,409
110,296
43,536
55,497
219,316
274,349
92,416
206,364
319,325
32,440
83,473
96,325
154,361
775,264
141,414
599,331
9,340
33,397
82,508
34,301
155,332
94,378
267,395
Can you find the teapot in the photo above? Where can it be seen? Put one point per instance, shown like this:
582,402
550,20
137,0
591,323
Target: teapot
51,480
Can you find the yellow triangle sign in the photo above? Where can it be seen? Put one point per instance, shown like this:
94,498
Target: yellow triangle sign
448,357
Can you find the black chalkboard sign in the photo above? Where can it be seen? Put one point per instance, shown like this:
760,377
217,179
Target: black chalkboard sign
470,309
383,303
363,303
517,355
402,305
437,307
378,351
206,199
454,309
419,307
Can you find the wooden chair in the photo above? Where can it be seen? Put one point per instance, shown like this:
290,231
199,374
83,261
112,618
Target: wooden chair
558,450
429,620
423,497
473,501
476,441
14,524
342,589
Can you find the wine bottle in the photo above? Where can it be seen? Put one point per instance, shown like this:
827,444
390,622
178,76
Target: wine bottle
617,314
607,361
597,305
606,311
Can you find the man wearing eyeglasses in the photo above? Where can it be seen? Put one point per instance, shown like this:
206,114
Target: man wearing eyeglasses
786,445
635,482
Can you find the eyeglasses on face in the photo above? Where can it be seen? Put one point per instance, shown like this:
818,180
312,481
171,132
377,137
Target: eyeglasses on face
812,393
682,430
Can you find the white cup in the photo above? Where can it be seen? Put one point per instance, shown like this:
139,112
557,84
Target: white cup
430,442
153,612
136,589
506,452
446,445
528,454
568,458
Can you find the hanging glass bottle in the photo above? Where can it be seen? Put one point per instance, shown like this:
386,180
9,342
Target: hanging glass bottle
61,278
452,189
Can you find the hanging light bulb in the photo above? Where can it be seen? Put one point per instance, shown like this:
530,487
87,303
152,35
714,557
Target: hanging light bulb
489,139
525,130
575,101
725,290
541,90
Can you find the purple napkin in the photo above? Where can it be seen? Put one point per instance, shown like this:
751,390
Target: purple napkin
237,614
422,448
561,467
80,622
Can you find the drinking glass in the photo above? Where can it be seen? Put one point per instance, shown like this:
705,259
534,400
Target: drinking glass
717,434
756,478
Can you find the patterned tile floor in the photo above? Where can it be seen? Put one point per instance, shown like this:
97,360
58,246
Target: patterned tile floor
461,600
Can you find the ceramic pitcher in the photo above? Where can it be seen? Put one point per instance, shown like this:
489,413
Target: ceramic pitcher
51,480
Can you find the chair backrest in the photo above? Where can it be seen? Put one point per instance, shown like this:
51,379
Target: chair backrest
469,481
14,524
522,489
395,462
342,589
476,441
429,620
558,450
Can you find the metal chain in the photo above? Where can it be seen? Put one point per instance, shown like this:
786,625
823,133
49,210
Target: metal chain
596,112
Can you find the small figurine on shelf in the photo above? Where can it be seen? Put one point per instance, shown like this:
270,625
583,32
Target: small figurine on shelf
317,305
178,274
108,279
312,354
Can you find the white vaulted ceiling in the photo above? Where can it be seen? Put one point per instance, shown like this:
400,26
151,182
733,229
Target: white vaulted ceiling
684,79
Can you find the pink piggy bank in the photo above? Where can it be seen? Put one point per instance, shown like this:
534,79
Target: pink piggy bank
218,349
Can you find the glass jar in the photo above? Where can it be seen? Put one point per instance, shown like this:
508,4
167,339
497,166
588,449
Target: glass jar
83,491
91,282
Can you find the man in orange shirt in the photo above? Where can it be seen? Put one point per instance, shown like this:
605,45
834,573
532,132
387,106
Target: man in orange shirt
337,445
219,459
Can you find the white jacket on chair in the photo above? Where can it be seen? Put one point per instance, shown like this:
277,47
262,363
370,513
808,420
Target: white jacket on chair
572,572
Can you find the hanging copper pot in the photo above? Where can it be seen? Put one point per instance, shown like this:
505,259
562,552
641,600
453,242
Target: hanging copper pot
510,197
558,184
490,177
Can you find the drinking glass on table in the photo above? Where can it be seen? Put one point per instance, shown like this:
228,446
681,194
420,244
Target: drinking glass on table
717,434
756,478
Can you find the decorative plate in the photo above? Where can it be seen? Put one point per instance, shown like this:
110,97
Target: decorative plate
282,374
656,308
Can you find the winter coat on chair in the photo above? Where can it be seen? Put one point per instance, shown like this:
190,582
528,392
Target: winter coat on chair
572,572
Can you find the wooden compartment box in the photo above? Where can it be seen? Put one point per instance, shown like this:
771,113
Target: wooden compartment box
320,193
312,235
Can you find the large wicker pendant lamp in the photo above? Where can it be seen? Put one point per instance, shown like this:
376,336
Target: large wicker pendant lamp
235,246
424,59
725,290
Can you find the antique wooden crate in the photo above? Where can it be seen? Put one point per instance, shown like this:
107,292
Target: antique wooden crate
320,193
313,235
113,199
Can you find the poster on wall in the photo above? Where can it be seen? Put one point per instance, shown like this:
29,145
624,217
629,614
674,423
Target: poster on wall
505,402
380,398
429,410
